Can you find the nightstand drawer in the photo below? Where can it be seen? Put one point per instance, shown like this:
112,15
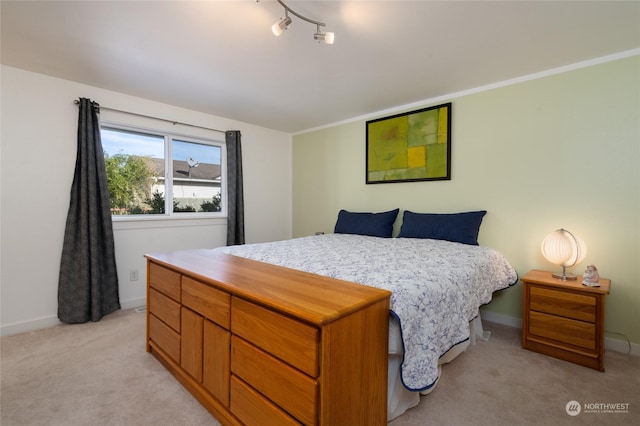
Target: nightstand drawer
275,380
573,332
563,303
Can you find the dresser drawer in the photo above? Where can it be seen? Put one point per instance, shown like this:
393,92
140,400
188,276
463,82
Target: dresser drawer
165,281
287,387
164,338
209,302
292,341
253,409
165,308
573,332
563,303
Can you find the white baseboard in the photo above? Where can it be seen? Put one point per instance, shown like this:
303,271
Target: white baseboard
501,319
36,324
23,327
610,343
622,346
135,303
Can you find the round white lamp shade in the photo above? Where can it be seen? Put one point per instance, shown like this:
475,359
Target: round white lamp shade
563,248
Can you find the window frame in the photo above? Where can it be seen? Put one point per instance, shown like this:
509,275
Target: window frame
169,137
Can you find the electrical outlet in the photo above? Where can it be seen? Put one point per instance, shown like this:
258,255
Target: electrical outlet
133,275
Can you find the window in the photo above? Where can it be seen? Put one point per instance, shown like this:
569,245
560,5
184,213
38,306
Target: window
151,174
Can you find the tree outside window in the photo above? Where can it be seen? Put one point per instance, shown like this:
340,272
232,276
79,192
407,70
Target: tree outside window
143,181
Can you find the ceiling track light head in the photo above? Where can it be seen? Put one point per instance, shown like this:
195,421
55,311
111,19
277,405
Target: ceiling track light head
281,25
284,23
327,38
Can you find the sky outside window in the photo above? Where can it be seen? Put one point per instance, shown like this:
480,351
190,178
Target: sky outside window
114,142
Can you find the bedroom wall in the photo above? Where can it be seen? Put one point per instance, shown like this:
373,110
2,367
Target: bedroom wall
39,125
562,150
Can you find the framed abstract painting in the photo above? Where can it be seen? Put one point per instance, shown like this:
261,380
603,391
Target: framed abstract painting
409,147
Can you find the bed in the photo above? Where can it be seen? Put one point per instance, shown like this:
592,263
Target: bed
424,289
437,288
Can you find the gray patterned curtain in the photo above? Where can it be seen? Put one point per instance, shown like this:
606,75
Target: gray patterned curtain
88,281
235,199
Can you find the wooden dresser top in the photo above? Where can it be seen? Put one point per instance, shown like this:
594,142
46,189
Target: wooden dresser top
314,298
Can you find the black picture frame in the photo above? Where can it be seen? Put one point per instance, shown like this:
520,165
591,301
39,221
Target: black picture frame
410,147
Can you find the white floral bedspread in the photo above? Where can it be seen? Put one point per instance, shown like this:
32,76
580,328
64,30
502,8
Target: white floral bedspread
437,286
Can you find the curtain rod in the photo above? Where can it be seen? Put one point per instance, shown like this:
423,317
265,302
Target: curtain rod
77,102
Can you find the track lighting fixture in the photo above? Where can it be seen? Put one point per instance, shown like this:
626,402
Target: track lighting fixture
284,23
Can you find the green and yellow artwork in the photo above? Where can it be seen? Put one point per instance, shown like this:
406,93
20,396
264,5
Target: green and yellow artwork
413,146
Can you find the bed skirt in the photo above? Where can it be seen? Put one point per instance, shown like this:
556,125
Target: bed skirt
399,398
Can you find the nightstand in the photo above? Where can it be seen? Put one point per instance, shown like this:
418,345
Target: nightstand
564,319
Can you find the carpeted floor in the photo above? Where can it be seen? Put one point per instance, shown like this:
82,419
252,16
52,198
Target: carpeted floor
99,374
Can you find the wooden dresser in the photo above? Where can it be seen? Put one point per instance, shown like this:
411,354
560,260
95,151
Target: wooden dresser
259,344
564,319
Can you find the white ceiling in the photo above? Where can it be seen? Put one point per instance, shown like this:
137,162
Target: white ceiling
220,57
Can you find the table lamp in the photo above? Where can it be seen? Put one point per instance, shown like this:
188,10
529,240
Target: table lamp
563,248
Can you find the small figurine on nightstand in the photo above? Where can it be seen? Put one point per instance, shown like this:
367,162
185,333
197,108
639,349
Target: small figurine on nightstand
591,277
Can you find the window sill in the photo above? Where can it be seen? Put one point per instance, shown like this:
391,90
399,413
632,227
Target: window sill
124,223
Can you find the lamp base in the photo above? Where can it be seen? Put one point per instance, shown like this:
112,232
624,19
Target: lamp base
565,277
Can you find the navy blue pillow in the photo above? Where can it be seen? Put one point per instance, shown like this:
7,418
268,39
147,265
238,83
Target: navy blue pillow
372,224
457,227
